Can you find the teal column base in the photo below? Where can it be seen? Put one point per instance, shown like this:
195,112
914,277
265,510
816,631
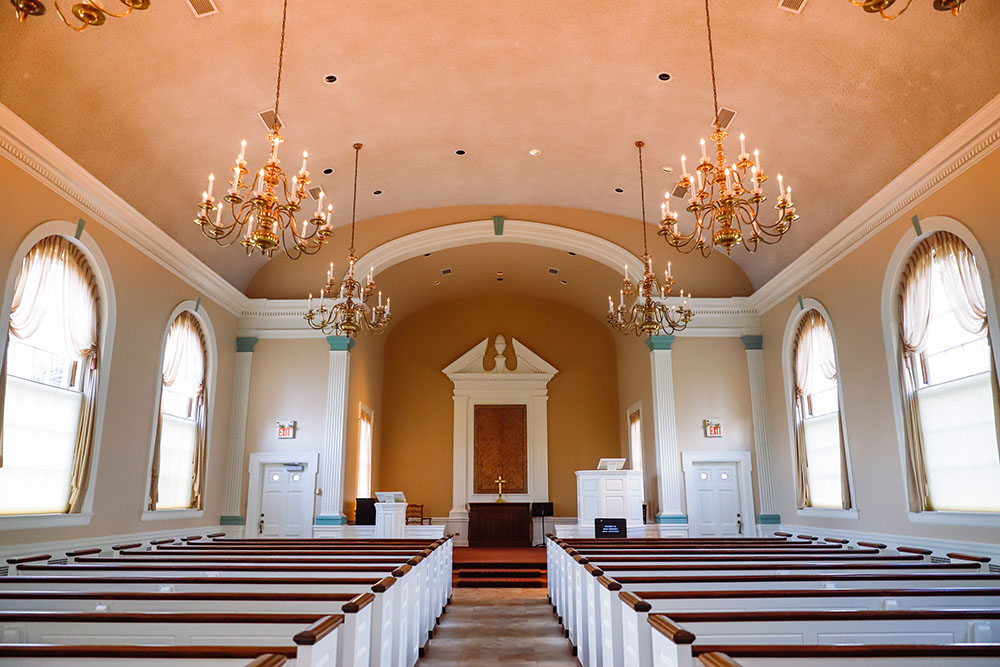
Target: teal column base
768,519
331,520
672,518
230,520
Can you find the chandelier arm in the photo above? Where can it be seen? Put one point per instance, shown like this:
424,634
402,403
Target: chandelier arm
79,28
129,3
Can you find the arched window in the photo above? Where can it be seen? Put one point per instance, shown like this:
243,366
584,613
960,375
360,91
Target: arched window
180,444
820,450
949,381
49,382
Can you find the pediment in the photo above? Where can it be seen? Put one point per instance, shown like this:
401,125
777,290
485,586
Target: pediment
527,364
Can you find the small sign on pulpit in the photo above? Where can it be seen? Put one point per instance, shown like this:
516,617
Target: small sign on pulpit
286,430
713,428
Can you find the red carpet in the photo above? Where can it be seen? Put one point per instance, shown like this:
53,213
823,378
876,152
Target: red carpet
499,568
500,555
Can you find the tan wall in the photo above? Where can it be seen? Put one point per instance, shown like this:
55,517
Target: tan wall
417,402
851,290
635,387
146,295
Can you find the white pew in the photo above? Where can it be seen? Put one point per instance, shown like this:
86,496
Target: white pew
856,656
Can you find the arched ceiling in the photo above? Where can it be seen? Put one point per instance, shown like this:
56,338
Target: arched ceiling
839,101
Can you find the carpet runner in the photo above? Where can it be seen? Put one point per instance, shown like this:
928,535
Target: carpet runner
499,568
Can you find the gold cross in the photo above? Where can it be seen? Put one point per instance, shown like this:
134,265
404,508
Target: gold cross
500,481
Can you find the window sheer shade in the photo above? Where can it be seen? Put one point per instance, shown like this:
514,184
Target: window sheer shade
55,306
178,461
365,436
635,439
820,450
950,428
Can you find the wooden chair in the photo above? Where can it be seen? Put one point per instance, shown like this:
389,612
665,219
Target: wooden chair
415,515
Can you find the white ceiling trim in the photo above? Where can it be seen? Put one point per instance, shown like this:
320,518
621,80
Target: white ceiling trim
514,231
38,156
970,142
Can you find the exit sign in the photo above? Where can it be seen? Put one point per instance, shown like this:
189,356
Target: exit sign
286,430
713,428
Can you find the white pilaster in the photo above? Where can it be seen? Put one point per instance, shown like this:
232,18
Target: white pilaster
331,460
758,408
670,484
232,513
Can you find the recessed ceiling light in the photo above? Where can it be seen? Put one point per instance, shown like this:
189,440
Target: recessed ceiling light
377,193
534,152
563,282
663,76
460,152
619,190
427,254
572,253
437,282
667,170
330,78
499,280
328,171
499,273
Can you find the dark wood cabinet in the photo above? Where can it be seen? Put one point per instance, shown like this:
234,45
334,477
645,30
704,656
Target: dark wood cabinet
499,524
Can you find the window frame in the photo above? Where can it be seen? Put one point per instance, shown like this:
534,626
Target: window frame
890,331
364,410
795,317
636,408
106,334
211,367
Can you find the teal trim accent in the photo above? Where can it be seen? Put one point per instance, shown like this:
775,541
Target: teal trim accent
660,342
916,224
197,304
340,343
768,519
671,518
802,306
498,221
245,343
753,342
79,228
333,520
230,520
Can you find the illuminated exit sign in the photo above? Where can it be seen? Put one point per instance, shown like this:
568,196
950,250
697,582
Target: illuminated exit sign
286,430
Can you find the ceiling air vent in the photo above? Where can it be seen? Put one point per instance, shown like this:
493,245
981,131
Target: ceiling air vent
316,192
267,117
679,192
553,272
726,116
446,272
794,6
203,8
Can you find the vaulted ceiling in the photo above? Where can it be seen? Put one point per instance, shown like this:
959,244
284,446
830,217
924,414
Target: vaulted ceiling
837,100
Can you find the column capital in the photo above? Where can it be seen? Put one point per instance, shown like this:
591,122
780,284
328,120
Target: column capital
245,343
340,343
664,342
753,342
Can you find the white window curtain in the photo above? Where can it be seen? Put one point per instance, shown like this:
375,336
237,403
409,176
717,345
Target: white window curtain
821,477
365,436
635,439
177,474
56,301
953,452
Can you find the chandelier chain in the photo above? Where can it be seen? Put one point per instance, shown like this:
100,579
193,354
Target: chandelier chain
354,205
642,196
711,62
281,63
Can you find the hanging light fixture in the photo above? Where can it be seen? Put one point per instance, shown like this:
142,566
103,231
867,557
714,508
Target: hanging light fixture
262,215
649,314
726,197
343,310
880,7
86,13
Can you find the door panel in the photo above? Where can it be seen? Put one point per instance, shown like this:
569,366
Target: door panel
717,492
286,498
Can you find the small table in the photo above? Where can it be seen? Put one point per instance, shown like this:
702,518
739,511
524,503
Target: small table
499,524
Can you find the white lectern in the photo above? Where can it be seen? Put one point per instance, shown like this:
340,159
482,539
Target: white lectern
609,494
390,515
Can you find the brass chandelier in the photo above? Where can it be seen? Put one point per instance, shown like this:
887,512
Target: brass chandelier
262,214
880,6
725,198
649,314
344,310
86,13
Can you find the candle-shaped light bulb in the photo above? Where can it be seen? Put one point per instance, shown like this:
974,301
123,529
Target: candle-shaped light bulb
701,181
260,183
204,196
753,178
329,213
663,210
743,144
388,305
788,193
380,298
218,215
729,180
236,180
211,185
781,185
611,305
295,184
756,159
243,151
669,270
684,169
322,294
305,158
621,297
626,272
319,205
704,155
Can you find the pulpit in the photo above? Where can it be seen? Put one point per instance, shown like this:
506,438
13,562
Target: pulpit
499,524
390,515
608,494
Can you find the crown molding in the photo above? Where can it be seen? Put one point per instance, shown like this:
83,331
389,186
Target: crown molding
965,146
38,156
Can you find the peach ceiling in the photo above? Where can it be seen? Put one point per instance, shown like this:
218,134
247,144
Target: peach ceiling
837,100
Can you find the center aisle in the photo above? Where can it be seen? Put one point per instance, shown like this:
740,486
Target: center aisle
498,626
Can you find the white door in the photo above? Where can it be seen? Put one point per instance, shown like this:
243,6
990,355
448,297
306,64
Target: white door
717,494
285,501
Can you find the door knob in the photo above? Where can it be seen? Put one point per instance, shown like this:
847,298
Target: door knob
260,525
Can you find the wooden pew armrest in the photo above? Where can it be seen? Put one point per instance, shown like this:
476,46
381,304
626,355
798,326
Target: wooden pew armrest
319,629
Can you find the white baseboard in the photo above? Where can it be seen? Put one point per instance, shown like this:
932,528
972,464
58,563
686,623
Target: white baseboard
940,547
58,549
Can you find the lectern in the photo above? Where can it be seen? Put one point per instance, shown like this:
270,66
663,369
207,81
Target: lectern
609,494
390,515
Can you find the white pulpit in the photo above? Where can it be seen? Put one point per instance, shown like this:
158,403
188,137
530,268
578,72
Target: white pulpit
390,520
609,494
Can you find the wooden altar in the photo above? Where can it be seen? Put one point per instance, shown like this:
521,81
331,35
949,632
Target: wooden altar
499,524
